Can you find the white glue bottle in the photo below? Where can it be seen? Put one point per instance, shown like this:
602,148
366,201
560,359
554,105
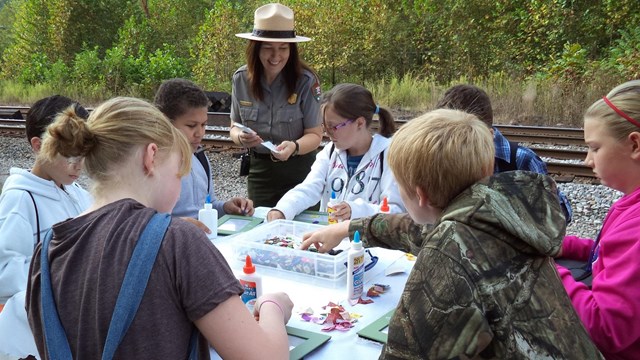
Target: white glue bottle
209,217
251,283
355,269
330,208
384,207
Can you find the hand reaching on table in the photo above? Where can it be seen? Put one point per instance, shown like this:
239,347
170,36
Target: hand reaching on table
342,211
239,206
326,238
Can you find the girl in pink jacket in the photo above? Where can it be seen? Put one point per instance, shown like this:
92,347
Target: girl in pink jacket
610,308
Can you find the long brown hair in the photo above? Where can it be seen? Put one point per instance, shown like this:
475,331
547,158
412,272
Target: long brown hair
352,101
291,72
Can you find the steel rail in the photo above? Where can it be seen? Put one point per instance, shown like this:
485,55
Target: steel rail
217,136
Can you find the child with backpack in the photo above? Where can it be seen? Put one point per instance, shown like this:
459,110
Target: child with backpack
510,156
80,281
483,285
32,201
185,104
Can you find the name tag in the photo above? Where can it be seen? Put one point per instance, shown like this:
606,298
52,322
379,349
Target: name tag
246,103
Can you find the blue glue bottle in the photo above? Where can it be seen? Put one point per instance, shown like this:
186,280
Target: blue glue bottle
330,208
251,283
209,216
355,269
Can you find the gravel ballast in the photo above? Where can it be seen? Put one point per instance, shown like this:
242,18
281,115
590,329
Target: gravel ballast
590,202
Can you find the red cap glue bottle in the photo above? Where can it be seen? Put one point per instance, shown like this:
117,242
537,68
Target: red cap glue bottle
251,283
209,217
330,208
355,269
384,207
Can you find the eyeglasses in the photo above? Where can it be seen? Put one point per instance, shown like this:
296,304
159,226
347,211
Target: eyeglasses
339,126
74,160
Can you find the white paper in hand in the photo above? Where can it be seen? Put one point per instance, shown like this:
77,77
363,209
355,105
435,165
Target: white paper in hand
269,145
245,129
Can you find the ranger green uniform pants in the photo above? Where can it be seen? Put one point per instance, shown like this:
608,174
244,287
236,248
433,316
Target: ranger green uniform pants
269,180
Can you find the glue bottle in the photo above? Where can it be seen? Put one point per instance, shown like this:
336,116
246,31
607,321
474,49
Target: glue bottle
330,208
355,269
209,217
251,283
384,207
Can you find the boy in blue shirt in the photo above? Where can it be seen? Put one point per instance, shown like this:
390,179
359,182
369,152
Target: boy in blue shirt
509,156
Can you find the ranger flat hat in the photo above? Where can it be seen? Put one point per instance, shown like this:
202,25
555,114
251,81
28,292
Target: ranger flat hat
273,23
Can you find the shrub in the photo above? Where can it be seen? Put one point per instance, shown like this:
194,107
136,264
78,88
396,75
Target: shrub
161,65
35,70
87,68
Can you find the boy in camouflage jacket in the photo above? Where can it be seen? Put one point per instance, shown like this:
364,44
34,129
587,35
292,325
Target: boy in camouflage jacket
484,284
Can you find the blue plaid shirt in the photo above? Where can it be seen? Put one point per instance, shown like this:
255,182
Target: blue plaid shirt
526,159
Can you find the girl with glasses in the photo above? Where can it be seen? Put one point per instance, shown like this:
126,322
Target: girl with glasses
353,165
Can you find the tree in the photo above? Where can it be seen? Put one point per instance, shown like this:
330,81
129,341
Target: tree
217,51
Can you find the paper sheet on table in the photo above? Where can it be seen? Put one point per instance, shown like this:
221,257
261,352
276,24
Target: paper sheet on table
269,145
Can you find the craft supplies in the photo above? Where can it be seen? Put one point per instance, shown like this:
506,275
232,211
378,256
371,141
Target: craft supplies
384,207
251,283
330,208
209,216
355,269
276,245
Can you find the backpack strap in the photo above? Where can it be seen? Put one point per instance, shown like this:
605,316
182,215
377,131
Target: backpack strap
54,335
513,160
37,216
326,176
129,298
513,146
202,158
135,281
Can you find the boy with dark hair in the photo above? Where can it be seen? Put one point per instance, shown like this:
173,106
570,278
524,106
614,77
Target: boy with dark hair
31,202
483,284
509,155
185,104
44,111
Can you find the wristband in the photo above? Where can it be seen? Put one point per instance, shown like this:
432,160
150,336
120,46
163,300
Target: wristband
270,301
295,152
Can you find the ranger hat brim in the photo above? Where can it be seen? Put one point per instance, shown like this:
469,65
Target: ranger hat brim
273,23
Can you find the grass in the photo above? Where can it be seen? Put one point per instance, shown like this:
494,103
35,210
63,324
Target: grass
13,93
514,101
533,102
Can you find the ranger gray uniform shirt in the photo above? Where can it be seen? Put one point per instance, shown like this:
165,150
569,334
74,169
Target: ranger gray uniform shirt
278,117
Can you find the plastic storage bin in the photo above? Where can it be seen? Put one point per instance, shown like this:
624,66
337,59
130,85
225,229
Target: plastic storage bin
326,267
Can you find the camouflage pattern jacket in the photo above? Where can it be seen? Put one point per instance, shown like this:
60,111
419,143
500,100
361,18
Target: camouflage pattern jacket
484,284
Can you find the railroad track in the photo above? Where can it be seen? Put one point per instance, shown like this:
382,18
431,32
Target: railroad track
537,138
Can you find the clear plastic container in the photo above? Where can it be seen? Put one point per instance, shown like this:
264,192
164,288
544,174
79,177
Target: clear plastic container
291,260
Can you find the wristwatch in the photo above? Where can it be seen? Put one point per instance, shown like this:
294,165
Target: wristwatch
295,152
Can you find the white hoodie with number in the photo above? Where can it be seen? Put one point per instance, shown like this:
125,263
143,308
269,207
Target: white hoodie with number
363,191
